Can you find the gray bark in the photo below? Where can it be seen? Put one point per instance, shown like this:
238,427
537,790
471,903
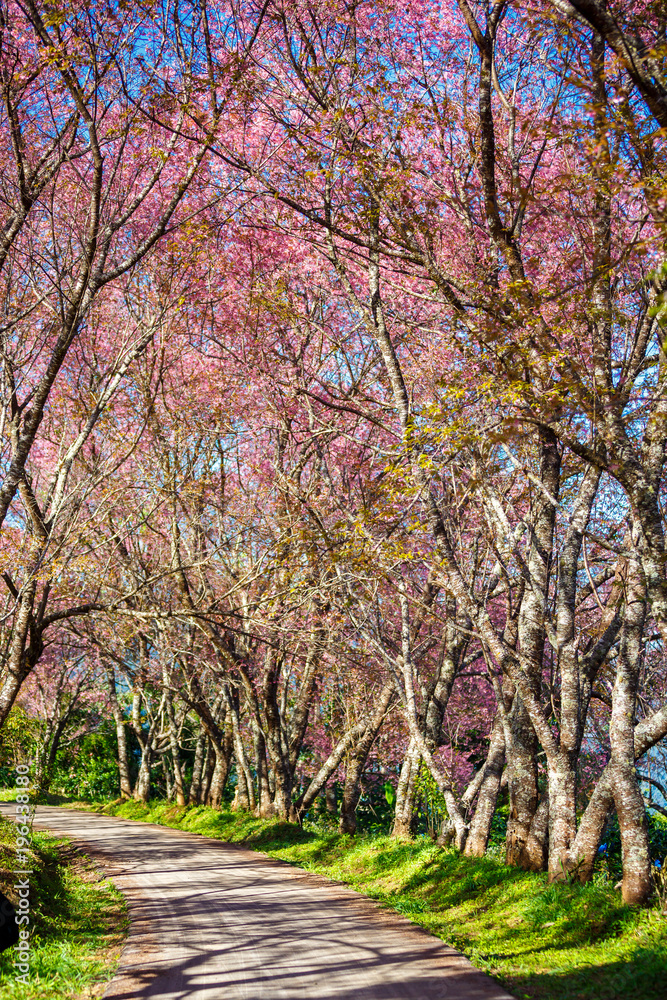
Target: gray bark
628,799
197,768
357,761
121,736
489,786
405,792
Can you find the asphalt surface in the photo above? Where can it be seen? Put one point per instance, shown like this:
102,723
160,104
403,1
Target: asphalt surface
213,921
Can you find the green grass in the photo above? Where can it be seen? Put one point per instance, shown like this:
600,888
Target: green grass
78,921
547,942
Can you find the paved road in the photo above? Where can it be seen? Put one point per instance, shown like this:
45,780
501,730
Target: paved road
213,921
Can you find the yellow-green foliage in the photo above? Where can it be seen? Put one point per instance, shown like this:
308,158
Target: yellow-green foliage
78,921
560,942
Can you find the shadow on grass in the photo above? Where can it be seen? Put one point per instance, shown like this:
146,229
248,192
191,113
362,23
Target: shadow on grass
281,835
416,876
643,975
60,910
51,799
56,910
447,877
76,923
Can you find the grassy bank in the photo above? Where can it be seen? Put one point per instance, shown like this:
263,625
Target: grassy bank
77,920
540,941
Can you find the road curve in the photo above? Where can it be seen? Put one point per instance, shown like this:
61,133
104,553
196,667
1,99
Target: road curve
213,921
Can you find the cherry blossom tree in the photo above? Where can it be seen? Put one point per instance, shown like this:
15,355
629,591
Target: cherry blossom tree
334,401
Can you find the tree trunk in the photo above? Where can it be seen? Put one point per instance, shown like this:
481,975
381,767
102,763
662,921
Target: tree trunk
20,660
575,687
591,827
325,772
121,738
351,794
357,761
562,817
208,769
223,762
245,794
539,828
276,739
178,790
299,721
405,793
480,826
143,785
169,785
264,806
630,807
218,781
241,799
144,739
523,849
589,836
194,794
